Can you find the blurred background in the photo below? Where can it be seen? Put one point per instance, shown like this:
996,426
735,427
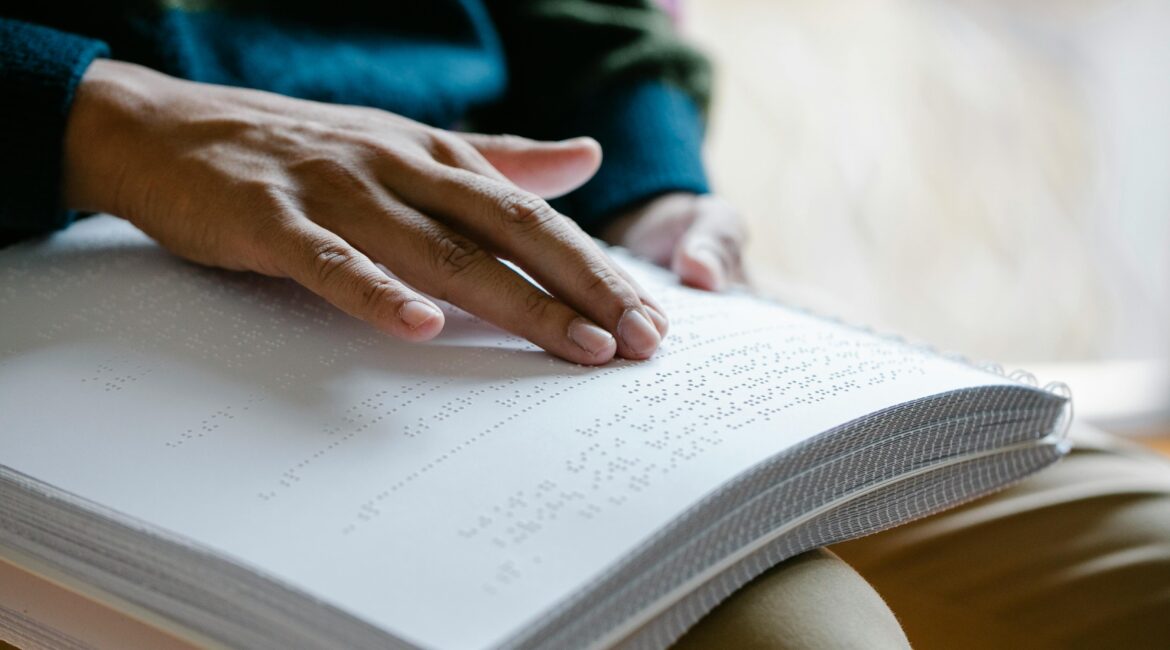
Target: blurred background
991,176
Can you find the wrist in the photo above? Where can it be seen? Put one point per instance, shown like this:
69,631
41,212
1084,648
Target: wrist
101,141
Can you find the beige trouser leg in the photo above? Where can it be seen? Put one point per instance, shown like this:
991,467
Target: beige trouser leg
813,600
1076,556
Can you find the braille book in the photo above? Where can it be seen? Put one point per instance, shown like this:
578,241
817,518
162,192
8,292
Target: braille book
231,460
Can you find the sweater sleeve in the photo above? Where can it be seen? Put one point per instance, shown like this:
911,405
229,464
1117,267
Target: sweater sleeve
39,72
614,70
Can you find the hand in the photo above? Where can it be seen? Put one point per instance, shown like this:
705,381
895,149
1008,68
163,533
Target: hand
247,180
701,238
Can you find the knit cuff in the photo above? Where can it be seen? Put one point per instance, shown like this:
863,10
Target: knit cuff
39,72
651,136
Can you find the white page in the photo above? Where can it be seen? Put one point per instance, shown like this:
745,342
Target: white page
448,492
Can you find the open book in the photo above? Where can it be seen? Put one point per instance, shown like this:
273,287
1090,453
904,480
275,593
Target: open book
231,459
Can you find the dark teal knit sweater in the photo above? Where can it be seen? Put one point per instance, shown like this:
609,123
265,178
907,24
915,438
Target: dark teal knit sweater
546,69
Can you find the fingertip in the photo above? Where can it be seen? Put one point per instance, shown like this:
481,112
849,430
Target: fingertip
597,358
597,345
420,321
700,268
548,169
658,318
581,158
586,143
639,337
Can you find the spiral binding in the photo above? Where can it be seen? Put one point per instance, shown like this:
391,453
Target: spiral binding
1061,429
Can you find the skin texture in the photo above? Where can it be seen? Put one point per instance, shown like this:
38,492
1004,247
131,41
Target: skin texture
377,213
700,238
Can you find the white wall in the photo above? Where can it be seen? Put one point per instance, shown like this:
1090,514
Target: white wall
992,176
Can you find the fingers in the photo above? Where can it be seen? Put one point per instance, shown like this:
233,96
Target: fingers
325,264
709,255
548,246
653,307
449,266
547,169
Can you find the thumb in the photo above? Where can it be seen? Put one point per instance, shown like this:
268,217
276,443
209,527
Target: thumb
548,169
709,255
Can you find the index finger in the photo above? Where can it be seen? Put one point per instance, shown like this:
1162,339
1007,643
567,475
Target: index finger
549,247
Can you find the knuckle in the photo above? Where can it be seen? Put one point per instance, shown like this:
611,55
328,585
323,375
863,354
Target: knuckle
455,256
727,246
527,212
446,147
387,154
598,278
536,305
734,259
376,295
727,242
330,261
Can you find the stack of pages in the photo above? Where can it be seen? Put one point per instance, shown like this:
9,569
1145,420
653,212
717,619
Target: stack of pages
230,459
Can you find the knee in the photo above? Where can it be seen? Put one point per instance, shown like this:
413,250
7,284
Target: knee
814,600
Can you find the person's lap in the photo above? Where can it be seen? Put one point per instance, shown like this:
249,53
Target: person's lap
813,600
1076,556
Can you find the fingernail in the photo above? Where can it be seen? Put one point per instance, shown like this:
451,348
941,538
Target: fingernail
415,314
590,337
711,261
638,333
660,322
